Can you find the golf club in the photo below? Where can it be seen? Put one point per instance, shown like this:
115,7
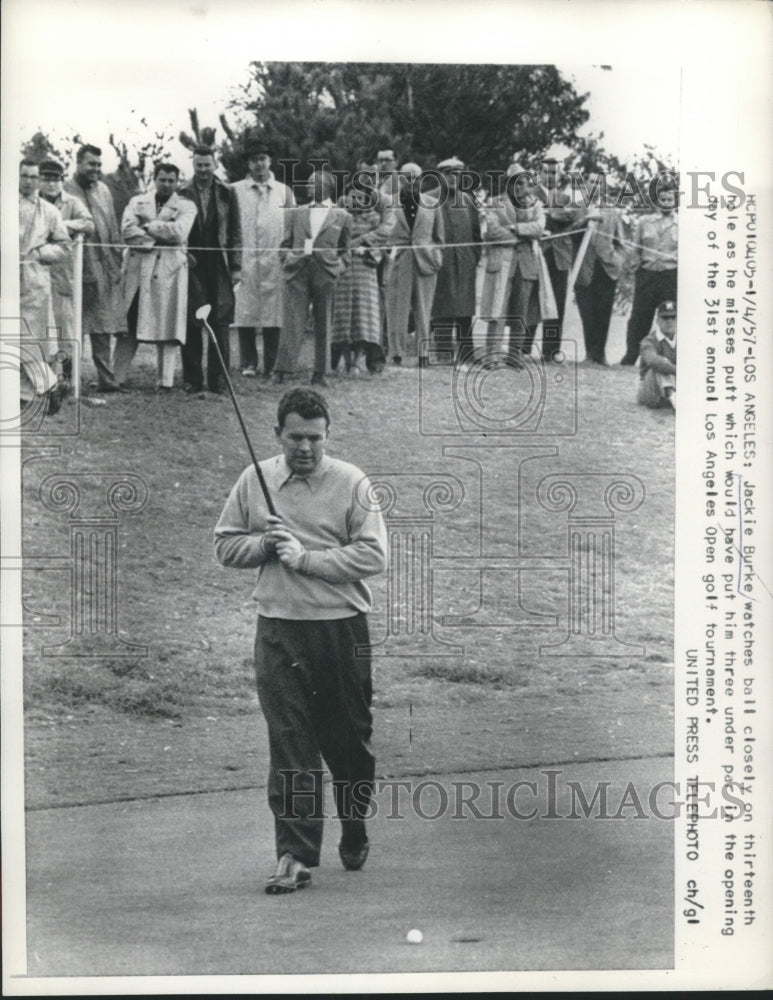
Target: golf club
203,314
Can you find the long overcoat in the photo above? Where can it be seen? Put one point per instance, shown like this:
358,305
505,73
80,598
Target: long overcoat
260,295
156,264
103,310
455,289
43,242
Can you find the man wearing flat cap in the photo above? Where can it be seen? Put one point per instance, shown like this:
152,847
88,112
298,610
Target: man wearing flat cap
657,361
259,307
454,305
78,222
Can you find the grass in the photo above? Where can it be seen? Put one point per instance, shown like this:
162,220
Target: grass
197,619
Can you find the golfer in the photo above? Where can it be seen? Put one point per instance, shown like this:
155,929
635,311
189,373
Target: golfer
313,674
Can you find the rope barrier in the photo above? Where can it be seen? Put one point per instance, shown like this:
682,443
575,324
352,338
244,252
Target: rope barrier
380,247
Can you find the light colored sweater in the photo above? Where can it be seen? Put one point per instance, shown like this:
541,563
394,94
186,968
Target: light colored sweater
344,541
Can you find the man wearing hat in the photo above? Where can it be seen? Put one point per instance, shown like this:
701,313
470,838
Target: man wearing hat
78,222
454,304
657,361
654,259
260,295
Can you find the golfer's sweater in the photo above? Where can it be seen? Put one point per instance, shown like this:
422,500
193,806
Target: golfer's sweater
331,514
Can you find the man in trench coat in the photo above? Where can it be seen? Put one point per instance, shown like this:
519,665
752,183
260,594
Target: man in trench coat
260,295
454,304
410,274
103,312
155,280
43,242
78,222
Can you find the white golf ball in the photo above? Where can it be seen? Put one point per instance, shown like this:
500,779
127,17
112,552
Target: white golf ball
414,937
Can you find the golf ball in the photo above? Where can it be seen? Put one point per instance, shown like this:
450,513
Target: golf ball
414,937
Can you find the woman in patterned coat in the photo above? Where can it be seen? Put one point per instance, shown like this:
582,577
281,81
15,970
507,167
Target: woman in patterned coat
357,306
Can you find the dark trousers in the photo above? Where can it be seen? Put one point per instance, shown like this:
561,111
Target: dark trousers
248,348
650,289
192,356
552,332
523,315
315,694
100,355
595,301
442,335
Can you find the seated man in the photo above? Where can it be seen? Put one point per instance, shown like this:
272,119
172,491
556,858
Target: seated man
657,361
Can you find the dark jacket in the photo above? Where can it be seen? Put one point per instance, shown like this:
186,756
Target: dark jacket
455,289
229,232
657,354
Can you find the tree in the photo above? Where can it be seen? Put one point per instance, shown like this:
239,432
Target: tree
136,157
42,147
345,111
135,168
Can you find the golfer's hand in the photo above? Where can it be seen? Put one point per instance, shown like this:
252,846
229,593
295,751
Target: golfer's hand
270,537
289,549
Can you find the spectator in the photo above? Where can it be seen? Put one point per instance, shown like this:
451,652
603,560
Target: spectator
454,303
387,179
518,218
215,267
596,280
412,266
357,304
103,312
558,251
654,260
156,227
78,221
315,253
260,295
657,361
43,241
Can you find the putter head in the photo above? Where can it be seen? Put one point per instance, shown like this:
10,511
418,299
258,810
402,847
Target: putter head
203,312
